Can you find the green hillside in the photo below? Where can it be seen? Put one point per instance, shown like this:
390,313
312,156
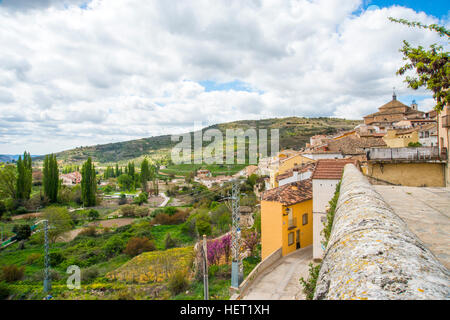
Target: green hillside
294,133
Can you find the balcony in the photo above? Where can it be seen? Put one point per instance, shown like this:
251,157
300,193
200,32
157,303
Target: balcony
445,121
406,154
292,223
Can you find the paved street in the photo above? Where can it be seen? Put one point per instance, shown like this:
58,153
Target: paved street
427,213
281,281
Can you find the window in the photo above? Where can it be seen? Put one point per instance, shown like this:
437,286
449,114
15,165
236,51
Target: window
305,219
290,238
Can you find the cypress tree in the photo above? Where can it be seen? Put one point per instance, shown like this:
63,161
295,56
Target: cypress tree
20,179
88,183
145,174
51,178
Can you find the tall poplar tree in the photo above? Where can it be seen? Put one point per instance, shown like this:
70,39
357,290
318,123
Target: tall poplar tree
51,178
24,177
88,183
145,175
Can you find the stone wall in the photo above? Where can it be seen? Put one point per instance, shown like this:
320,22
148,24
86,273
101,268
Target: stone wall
372,254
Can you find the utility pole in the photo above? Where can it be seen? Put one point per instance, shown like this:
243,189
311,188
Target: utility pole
205,270
236,264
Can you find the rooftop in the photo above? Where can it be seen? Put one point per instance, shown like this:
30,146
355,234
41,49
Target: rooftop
291,193
299,168
331,168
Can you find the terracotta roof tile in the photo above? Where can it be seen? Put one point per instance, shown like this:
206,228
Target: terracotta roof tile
291,193
331,168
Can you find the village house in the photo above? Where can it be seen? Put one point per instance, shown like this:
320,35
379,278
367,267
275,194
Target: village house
70,179
203,173
428,135
326,176
401,137
286,218
298,173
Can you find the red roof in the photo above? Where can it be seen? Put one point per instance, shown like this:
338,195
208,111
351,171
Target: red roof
331,168
291,193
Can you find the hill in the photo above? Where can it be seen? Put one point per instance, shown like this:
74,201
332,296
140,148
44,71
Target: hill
294,134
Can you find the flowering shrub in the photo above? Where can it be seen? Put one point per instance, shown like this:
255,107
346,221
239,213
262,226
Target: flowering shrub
218,249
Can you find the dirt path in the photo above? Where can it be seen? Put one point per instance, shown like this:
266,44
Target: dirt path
281,281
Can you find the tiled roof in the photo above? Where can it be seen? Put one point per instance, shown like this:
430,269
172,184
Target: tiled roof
299,168
331,168
291,193
352,145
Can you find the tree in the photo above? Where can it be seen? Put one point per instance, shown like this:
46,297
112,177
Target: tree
51,178
432,66
24,177
59,222
142,198
125,182
8,181
22,231
88,184
145,174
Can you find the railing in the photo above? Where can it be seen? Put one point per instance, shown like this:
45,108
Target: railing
292,223
445,121
420,153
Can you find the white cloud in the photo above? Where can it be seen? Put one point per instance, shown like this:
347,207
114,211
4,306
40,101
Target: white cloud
119,70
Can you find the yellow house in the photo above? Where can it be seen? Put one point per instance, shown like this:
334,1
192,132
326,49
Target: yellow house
286,164
286,218
400,138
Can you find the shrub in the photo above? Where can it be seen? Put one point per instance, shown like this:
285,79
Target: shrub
56,258
178,282
169,242
89,232
251,240
89,274
113,246
170,210
123,199
203,225
141,198
93,214
136,246
128,210
166,219
141,212
12,273
414,144
40,275
5,292
33,258
309,286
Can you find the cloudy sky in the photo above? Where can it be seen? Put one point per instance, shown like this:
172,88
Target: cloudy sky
76,72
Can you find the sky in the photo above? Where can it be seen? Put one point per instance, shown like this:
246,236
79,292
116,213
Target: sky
76,73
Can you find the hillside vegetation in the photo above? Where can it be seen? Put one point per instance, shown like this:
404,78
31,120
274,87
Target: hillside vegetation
294,133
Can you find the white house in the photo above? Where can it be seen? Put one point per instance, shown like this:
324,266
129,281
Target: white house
326,176
297,174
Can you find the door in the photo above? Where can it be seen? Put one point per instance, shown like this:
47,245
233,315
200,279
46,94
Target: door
298,239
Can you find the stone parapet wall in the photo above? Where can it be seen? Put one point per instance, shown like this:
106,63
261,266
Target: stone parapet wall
372,254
